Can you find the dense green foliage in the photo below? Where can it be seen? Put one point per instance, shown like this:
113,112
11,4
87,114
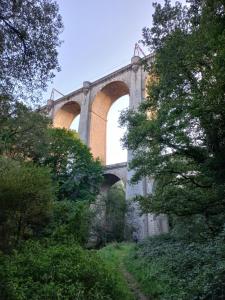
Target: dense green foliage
26,135
76,173
45,195
70,221
26,197
57,272
23,132
108,222
170,269
115,213
178,134
29,37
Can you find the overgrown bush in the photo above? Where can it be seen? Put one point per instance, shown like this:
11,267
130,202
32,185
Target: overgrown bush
26,196
171,269
57,272
70,221
108,223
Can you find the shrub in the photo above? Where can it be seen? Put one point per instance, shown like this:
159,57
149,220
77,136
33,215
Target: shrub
57,272
26,196
70,221
172,269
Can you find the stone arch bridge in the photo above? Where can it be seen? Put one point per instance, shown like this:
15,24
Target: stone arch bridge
92,102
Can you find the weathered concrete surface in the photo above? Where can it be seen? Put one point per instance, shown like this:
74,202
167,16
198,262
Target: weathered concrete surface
93,102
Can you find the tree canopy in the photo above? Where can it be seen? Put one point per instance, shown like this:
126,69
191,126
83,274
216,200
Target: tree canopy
181,143
29,37
77,174
23,131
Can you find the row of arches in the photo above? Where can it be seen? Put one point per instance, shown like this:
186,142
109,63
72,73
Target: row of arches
104,131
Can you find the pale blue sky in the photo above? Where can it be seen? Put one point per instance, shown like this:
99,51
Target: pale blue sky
99,37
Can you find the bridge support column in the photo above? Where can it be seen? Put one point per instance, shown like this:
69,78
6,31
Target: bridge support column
135,222
84,114
146,224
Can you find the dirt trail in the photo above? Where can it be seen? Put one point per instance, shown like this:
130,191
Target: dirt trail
133,285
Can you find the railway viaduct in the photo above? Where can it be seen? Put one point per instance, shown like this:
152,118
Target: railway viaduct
92,102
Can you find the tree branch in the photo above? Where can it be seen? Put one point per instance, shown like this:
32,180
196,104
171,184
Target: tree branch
17,32
190,179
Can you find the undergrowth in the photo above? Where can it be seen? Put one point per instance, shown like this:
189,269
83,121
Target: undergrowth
170,269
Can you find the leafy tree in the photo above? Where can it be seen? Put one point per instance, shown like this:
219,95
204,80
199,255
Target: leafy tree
26,196
26,135
73,168
29,37
23,132
178,134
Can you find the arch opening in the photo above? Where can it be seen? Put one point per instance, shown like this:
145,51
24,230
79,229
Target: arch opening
99,116
114,133
75,123
67,116
108,224
110,179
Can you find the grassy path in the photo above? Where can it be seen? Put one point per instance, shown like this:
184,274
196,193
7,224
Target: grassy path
114,255
133,285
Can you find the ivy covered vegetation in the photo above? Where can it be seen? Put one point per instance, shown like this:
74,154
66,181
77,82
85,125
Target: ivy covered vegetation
168,268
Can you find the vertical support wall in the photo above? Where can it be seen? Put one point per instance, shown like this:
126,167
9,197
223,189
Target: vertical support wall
134,220
83,129
146,224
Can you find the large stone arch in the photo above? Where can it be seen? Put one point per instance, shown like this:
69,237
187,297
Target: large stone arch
65,115
100,106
